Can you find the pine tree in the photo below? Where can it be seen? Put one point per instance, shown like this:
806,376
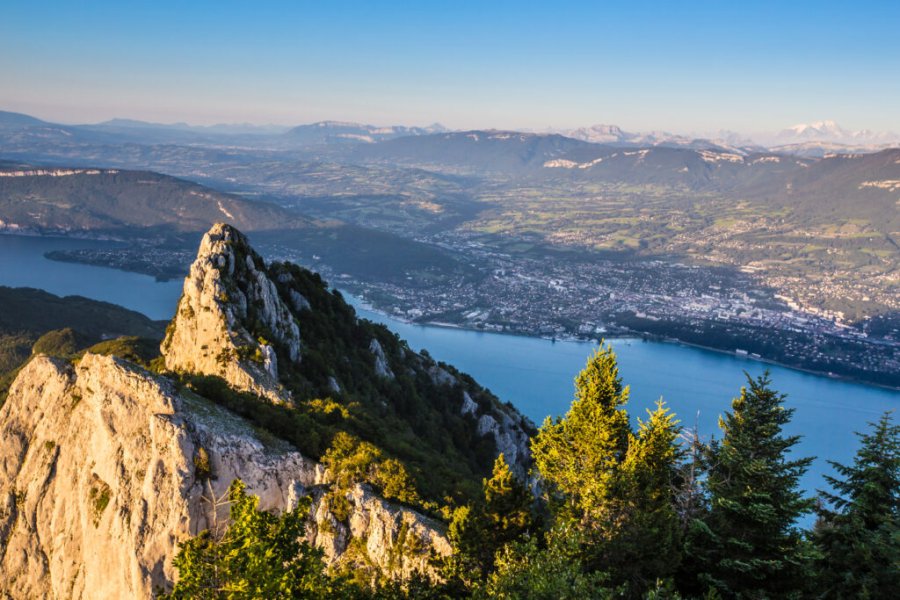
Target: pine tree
754,549
860,537
478,532
578,456
507,505
613,485
647,546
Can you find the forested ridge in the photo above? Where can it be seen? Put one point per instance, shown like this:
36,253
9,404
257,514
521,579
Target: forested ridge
617,509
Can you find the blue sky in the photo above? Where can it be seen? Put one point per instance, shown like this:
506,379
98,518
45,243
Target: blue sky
678,66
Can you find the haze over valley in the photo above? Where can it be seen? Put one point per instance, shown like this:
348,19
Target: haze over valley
790,257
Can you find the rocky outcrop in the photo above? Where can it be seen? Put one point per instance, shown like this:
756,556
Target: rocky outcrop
507,426
105,467
378,534
99,481
229,317
510,438
94,481
381,364
233,323
468,405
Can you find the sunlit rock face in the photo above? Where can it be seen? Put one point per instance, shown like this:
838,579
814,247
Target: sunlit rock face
99,482
227,308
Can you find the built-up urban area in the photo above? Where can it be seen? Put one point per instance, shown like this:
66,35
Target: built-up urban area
561,297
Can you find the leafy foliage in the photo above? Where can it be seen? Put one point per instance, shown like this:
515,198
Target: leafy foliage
527,571
59,342
413,418
260,556
353,461
578,456
614,484
478,531
34,321
647,547
141,351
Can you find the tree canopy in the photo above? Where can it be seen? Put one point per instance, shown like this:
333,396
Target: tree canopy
859,528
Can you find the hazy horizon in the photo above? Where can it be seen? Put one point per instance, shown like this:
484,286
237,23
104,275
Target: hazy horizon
685,69
751,135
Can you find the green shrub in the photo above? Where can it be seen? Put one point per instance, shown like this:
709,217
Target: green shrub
99,499
202,466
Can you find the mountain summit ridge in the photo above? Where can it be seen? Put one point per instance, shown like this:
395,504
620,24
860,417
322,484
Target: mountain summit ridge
105,466
225,294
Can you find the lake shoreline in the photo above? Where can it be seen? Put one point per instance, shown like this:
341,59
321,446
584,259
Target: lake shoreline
531,372
618,334
630,335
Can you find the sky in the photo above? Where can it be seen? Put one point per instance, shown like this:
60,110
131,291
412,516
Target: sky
678,66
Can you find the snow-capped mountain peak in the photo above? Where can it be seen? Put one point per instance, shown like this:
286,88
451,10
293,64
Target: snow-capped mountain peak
816,130
599,134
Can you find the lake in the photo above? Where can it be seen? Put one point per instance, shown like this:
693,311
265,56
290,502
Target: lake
22,264
534,374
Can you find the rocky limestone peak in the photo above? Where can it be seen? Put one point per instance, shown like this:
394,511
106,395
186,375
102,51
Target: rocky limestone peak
230,317
99,481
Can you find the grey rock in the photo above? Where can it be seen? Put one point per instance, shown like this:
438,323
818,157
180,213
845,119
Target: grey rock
468,406
381,364
212,314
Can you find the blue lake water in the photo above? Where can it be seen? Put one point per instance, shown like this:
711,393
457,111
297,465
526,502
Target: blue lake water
534,374
22,264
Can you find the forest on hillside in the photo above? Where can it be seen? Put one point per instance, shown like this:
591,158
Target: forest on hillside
612,510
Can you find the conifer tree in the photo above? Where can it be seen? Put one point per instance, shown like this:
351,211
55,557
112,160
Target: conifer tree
478,532
647,547
859,537
507,505
611,484
754,549
578,456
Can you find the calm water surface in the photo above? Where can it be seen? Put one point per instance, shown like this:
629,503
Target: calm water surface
534,374
22,264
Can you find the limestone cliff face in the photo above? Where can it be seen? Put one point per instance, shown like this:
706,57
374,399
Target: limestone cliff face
229,316
98,484
98,480
94,480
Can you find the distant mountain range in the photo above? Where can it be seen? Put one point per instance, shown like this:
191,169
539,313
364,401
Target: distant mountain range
815,139
329,132
829,131
806,139
614,135
17,127
219,128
